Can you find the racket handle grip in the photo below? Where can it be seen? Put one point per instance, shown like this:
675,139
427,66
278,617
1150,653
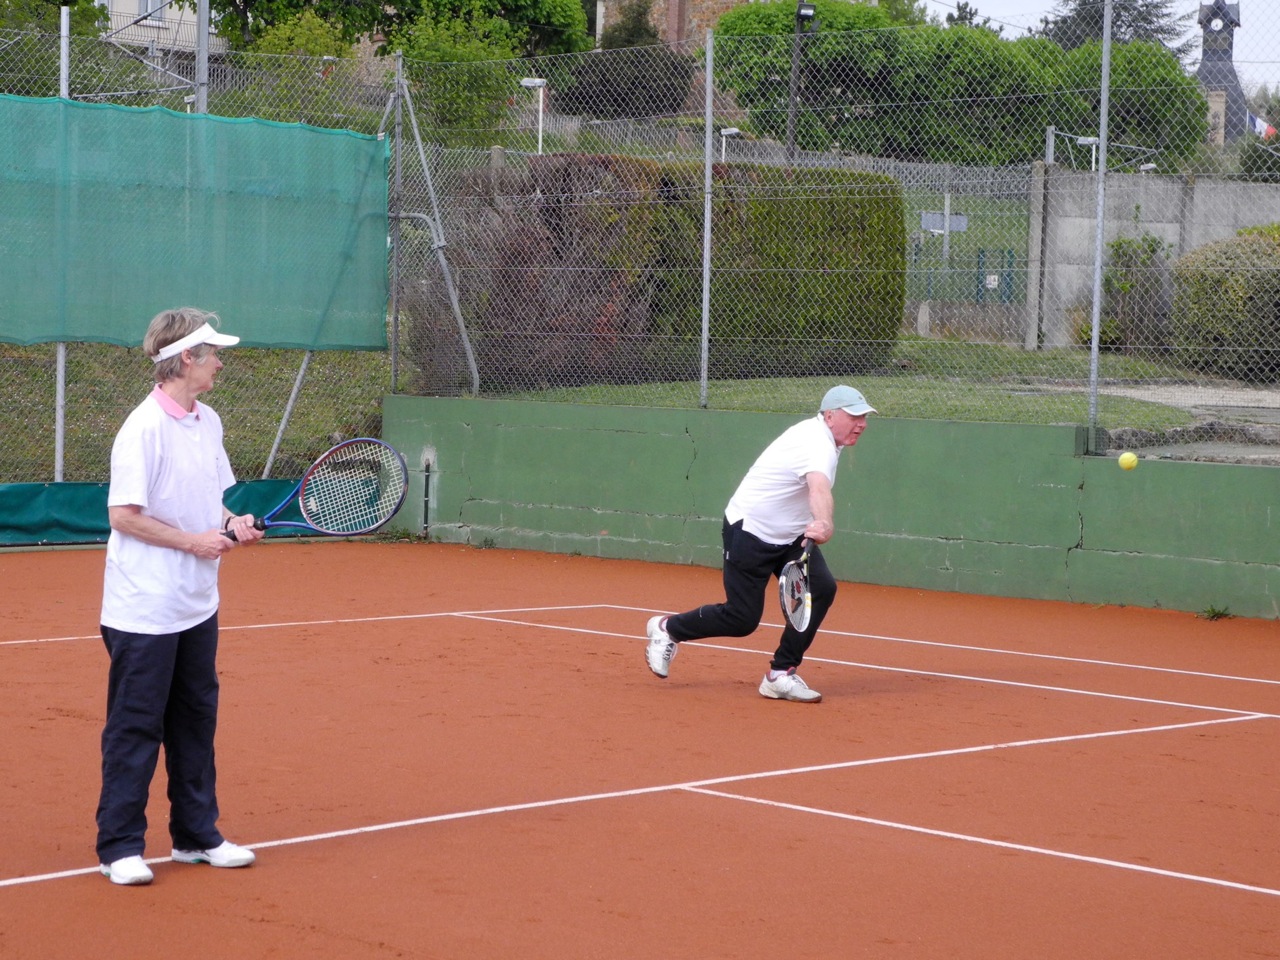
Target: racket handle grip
258,524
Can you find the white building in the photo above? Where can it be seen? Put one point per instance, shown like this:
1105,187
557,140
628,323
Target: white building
157,25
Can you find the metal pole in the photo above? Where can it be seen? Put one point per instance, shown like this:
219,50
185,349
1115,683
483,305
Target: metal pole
436,226
792,92
60,387
397,207
298,381
540,92
64,59
706,222
60,414
202,56
1101,176
946,219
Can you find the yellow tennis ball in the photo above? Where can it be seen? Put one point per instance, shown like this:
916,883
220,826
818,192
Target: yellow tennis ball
1128,460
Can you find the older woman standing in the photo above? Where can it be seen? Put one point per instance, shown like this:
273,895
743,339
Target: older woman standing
159,620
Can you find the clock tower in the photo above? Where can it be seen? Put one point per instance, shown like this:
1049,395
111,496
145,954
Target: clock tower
1217,74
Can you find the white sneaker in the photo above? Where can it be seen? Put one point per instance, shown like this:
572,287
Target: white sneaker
127,871
661,649
789,686
225,854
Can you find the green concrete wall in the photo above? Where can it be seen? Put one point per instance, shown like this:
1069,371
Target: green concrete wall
997,509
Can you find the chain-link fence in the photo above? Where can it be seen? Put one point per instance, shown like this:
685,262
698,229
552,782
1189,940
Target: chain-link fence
914,210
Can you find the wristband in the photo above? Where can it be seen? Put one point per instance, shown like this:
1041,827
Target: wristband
226,524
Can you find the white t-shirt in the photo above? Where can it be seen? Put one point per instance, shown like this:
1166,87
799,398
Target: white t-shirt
175,469
772,501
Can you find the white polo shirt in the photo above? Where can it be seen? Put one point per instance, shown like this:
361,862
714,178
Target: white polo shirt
772,501
172,464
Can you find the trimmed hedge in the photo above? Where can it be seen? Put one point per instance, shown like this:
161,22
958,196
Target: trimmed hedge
588,269
1226,309
808,273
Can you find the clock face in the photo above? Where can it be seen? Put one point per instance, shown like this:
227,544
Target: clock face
1215,24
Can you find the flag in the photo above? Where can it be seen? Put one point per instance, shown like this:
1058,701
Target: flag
1260,126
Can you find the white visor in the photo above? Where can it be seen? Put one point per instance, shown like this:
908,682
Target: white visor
206,334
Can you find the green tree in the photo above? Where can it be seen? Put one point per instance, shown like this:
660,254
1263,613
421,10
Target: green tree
959,95
242,22
470,35
967,15
547,26
905,12
1077,22
305,34
297,77
463,85
779,17
956,95
964,95
96,66
1154,104
639,78
632,28
42,16
845,68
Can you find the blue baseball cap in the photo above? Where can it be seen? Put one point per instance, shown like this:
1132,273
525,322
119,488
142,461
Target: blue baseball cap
849,400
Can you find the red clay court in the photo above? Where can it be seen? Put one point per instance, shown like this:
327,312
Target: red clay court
447,752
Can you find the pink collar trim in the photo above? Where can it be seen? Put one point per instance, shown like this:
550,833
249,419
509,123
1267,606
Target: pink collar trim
171,406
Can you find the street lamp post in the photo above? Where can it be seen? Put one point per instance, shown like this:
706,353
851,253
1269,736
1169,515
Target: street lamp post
726,133
539,84
806,20
1092,144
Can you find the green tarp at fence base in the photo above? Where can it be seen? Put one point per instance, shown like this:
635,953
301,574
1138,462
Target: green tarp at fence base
110,214
32,514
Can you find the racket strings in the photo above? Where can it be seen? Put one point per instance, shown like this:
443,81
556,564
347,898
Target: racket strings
356,488
793,589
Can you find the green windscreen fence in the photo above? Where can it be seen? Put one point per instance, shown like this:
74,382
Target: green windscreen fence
111,214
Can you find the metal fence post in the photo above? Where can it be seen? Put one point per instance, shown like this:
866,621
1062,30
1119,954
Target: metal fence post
707,120
1099,213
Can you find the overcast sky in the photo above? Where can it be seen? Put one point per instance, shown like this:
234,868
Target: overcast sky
1257,42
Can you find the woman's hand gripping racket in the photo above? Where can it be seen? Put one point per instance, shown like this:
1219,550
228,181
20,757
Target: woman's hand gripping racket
793,589
354,488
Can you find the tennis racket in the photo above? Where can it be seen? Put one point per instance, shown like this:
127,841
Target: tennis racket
793,589
354,488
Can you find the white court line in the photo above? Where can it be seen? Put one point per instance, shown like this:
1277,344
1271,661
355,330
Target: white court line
1050,656
889,669
907,670
691,785
1014,653
223,628
486,614
19,643
489,618
1040,686
987,841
